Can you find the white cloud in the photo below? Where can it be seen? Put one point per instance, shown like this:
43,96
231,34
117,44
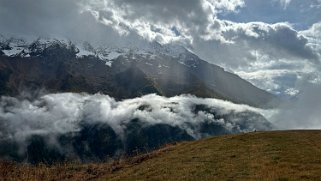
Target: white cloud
313,34
155,20
63,113
276,74
285,3
93,127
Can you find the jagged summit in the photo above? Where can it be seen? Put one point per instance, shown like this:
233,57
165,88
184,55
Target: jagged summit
24,48
13,47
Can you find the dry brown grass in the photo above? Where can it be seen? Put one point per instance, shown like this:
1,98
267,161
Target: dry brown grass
10,171
287,155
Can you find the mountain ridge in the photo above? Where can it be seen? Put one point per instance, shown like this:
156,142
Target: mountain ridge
163,69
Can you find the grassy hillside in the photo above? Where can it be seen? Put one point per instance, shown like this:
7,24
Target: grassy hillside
287,155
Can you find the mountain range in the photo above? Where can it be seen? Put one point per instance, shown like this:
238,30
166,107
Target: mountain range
60,66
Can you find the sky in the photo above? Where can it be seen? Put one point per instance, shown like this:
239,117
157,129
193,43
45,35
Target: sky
276,44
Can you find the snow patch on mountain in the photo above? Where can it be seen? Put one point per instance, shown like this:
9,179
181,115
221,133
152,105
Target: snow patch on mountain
12,52
113,55
83,52
12,47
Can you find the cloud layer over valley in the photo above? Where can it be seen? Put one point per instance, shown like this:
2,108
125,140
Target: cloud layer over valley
127,125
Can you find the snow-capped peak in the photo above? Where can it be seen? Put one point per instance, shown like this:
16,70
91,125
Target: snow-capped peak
20,47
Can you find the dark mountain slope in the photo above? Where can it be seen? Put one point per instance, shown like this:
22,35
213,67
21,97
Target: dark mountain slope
68,74
58,67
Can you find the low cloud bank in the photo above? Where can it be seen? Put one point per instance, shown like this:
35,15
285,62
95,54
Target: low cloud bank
70,126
